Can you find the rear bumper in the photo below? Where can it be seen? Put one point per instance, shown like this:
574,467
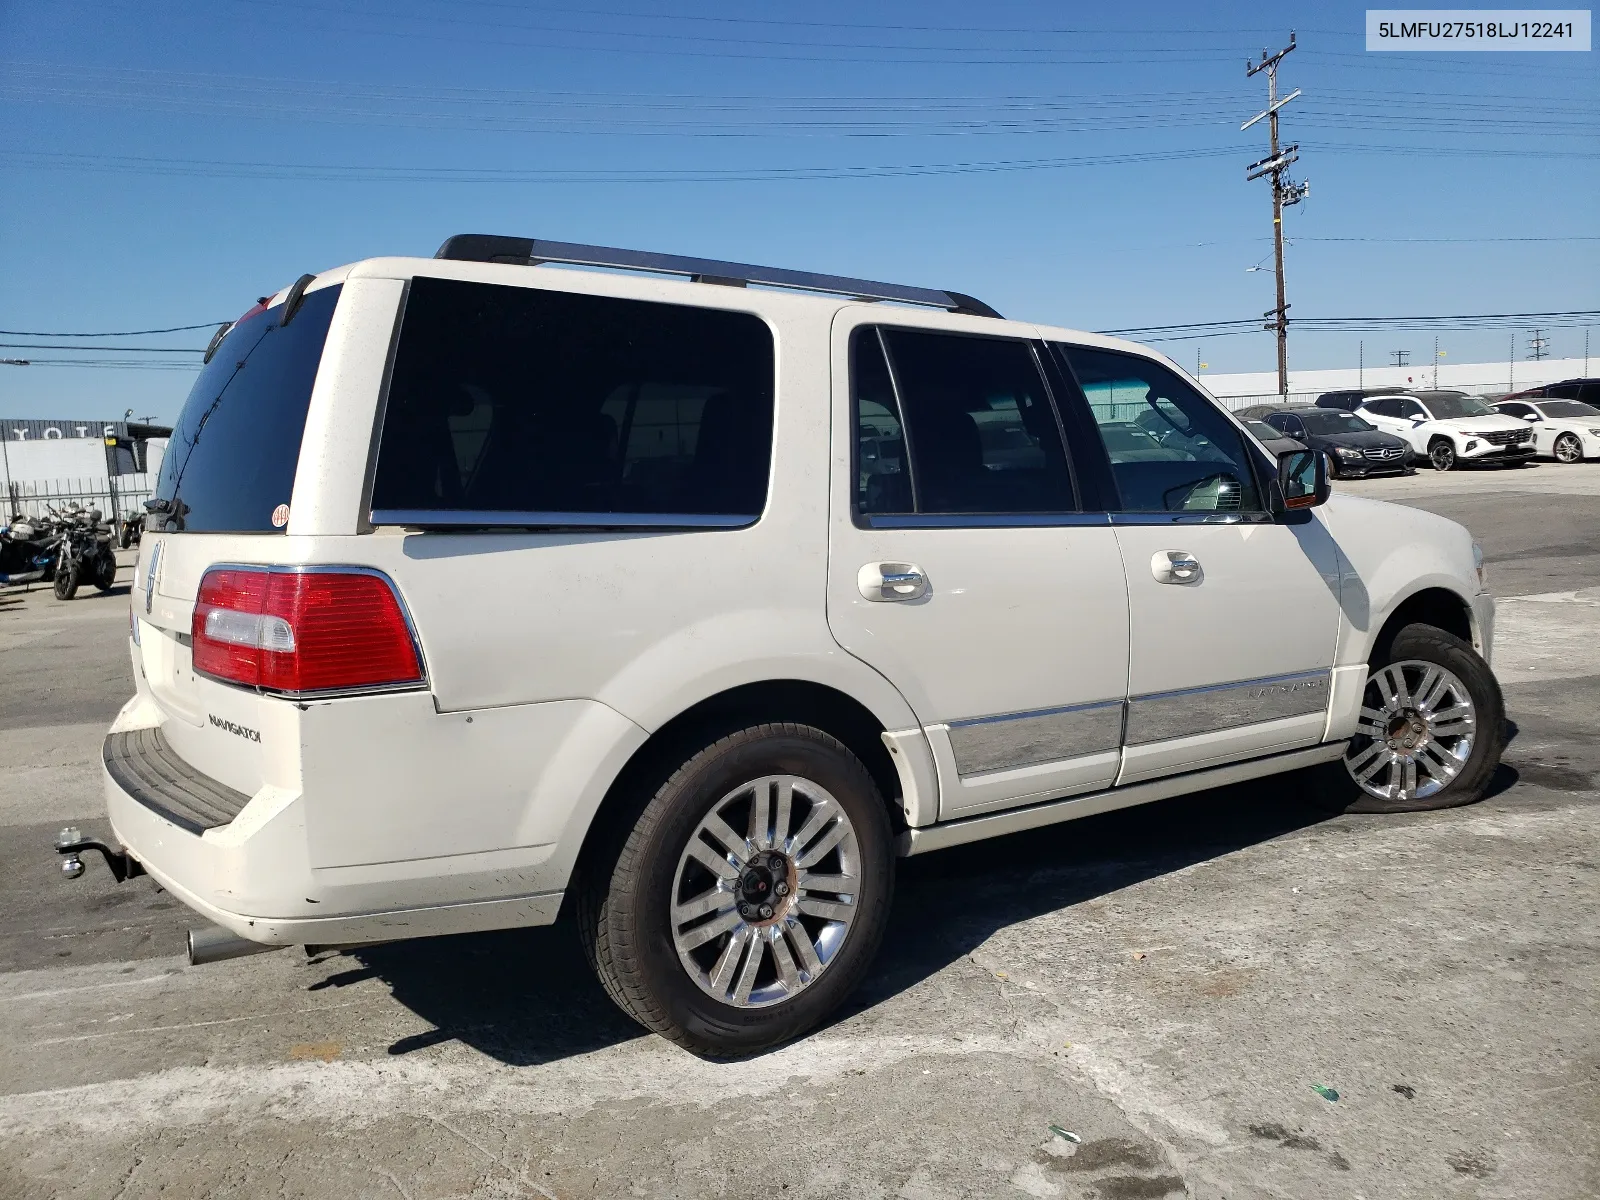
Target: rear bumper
385,819
228,884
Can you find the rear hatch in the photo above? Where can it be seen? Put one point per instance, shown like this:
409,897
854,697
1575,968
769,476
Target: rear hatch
223,496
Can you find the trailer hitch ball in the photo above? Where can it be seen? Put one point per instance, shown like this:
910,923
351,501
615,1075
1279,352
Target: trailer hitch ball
72,866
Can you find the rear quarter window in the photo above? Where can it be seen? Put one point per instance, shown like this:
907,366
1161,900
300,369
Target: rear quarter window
527,403
230,462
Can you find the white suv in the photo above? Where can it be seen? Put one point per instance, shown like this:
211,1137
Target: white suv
474,584
1450,428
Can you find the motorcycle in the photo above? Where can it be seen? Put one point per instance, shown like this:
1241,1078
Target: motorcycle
130,530
85,554
28,551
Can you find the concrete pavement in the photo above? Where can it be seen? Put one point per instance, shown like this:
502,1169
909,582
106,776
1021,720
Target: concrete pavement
1167,984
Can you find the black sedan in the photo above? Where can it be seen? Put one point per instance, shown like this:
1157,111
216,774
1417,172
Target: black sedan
1354,448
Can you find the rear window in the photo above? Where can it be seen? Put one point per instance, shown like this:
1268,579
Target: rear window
522,405
231,460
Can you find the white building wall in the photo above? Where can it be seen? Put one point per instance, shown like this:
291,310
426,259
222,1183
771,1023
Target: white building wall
1490,379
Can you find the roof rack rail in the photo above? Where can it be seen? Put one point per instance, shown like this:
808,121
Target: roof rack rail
488,247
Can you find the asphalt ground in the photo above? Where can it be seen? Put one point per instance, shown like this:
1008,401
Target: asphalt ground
1165,984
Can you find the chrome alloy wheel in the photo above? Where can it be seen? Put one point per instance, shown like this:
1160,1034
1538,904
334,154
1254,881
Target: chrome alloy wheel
758,916
1415,732
1568,448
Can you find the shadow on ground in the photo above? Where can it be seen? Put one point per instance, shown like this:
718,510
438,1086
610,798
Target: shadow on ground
528,996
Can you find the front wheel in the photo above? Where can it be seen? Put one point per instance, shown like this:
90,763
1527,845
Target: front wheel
1442,454
1430,733
750,896
66,582
1568,449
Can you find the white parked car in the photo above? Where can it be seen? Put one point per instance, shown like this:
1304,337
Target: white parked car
1450,428
474,586
1565,430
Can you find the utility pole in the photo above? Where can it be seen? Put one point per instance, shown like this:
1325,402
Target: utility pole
1536,345
1400,357
1284,192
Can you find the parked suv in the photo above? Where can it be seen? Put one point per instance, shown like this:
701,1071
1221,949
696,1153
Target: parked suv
1450,428
473,586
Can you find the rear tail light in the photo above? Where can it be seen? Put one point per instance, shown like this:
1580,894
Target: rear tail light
297,631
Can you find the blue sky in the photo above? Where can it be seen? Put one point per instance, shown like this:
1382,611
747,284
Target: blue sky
165,163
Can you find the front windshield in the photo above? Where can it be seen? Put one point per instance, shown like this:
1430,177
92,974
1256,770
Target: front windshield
1568,408
1330,422
1446,407
1263,431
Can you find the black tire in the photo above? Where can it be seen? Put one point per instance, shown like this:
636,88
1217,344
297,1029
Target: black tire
624,895
106,577
1442,454
1334,790
1568,448
66,583
125,538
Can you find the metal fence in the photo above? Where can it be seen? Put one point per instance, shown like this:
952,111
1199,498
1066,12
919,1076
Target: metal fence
1489,391
114,496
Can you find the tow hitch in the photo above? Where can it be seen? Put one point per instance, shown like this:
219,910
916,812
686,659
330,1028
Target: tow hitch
71,844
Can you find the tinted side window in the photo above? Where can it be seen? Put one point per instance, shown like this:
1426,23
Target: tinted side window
1515,410
883,482
509,399
1408,408
1171,449
982,435
233,453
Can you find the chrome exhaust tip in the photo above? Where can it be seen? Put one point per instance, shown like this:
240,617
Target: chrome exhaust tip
213,944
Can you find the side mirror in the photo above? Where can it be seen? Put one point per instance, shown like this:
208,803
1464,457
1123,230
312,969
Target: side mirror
1303,479
1531,417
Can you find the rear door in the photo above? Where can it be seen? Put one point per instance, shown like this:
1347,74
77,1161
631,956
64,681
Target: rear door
962,567
1234,616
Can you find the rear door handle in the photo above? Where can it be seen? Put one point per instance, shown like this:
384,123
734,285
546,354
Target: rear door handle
1175,566
891,581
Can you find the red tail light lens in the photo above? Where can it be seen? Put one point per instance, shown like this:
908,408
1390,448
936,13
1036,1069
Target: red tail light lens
303,631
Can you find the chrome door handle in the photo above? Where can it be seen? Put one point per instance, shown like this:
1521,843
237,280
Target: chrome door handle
1175,566
891,581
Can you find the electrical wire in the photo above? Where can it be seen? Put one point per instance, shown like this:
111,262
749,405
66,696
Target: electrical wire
109,333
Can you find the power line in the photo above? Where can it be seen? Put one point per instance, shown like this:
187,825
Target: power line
110,333
117,349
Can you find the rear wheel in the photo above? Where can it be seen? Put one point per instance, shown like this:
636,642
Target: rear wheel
749,898
1430,733
1568,448
106,575
1442,454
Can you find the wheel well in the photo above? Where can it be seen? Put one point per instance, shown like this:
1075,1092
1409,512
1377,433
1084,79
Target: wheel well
1439,607
770,701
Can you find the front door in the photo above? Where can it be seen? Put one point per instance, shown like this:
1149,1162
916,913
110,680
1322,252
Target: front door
961,566
1234,616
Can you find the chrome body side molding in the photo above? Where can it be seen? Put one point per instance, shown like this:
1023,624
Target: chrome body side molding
1166,715
1010,740
1016,820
